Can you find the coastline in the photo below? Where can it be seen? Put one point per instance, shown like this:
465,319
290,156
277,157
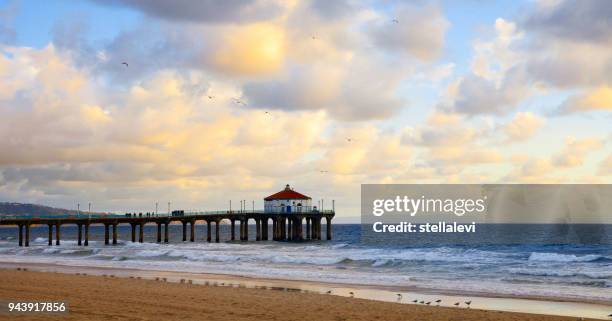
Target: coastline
102,298
387,294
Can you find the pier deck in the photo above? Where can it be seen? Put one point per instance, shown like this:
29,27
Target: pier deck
285,226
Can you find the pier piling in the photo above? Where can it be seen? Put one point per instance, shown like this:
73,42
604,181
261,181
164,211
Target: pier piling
192,231
208,232
217,227
50,234
246,229
20,234
141,233
166,232
264,229
242,230
133,232
283,229
87,234
57,234
106,234
159,232
80,234
27,235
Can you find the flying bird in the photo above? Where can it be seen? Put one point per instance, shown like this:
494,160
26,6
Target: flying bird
211,97
348,139
324,171
395,21
314,37
239,102
125,63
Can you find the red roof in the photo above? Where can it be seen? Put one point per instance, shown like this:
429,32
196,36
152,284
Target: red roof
287,194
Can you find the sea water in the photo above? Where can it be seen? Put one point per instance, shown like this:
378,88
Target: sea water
510,260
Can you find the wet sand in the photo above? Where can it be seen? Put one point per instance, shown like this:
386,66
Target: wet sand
113,298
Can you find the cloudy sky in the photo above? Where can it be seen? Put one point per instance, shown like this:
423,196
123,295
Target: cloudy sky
234,99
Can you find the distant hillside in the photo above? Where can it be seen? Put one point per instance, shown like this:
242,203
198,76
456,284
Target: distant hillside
15,209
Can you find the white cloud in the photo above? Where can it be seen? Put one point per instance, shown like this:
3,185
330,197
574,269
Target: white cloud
575,151
523,126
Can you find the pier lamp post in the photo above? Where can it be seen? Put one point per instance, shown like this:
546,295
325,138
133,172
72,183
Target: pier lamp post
168,208
89,211
230,206
253,206
78,209
156,208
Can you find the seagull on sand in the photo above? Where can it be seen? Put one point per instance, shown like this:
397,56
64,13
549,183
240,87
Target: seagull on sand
415,301
399,297
352,294
328,292
422,302
468,303
428,303
456,304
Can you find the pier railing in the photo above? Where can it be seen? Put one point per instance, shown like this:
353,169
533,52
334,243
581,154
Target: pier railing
162,215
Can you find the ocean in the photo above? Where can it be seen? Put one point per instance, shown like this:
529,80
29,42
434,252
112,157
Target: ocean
569,261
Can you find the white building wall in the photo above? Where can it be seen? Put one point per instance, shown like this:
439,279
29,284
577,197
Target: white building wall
288,206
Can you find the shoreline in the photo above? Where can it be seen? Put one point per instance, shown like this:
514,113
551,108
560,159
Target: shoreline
482,301
103,298
319,283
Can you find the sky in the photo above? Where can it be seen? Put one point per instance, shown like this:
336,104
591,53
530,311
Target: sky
231,100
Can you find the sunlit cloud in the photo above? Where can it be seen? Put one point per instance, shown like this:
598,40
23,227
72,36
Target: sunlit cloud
219,100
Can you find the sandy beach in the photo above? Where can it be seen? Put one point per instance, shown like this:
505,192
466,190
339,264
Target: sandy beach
111,298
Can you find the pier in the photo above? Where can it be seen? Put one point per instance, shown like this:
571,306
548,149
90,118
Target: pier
295,226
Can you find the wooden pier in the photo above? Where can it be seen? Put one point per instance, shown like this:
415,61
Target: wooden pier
298,226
